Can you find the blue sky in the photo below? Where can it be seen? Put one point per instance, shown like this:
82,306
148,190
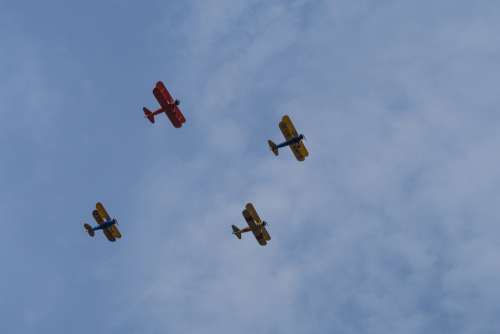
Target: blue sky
390,226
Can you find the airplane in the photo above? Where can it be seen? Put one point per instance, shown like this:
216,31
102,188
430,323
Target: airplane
255,225
293,139
105,223
168,105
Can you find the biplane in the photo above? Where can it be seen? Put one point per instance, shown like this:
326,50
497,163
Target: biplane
167,105
293,139
104,223
255,225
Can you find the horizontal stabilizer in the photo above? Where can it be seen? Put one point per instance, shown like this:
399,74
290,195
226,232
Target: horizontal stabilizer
89,229
236,231
149,115
273,147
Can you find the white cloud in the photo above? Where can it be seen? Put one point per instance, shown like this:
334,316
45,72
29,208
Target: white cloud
363,232
389,226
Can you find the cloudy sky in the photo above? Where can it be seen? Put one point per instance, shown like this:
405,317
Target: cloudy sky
390,226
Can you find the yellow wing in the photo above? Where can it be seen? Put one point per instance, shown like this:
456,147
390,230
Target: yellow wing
249,219
287,128
109,234
265,233
102,211
251,210
300,151
256,229
115,231
289,131
97,217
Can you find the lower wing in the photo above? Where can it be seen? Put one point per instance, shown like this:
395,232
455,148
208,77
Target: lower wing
266,235
260,236
300,151
115,231
175,115
109,234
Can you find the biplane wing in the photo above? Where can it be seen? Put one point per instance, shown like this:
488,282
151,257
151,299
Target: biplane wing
300,151
163,95
287,128
176,117
99,220
102,211
256,229
168,103
97,217
253,213
266,235
109,234
289,131
260,224
115,231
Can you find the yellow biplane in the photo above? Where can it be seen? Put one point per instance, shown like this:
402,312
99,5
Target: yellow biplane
255,225
104,223
293,139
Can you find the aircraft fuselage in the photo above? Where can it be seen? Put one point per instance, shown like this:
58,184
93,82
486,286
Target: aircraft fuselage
294,140
105,225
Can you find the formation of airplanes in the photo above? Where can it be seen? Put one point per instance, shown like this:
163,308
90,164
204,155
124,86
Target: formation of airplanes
170,107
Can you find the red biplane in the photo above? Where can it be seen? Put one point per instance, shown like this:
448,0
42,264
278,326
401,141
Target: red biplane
168,105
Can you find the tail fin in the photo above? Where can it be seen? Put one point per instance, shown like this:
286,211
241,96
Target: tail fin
273,147
149,115
89,229
236,231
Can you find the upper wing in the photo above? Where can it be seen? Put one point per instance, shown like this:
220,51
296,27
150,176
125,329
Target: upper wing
163,96
249,219
300,151
287,128
251,210
97,217
102,211
256,230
